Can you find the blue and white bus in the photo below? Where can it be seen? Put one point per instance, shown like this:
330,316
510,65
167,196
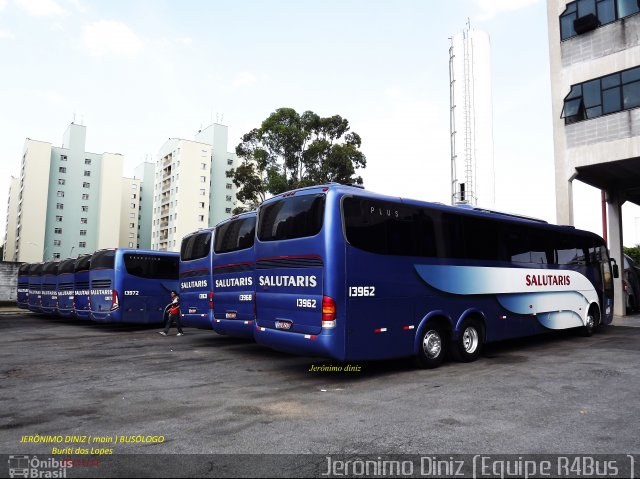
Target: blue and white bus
66,287
22,297
234,276
352,275
132,285
49,301
35,287
196,293
81,299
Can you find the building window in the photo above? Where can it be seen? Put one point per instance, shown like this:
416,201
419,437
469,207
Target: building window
201,204
203,179
85,208
56,255
229,161
583,16
202,193
83,221
87,161
132,215
203,166
87,173
130,245
85,196
82,244
58,218
86,185
58,231
601,96
83,232
228,198
61,181
59,206
132,225
133,196
228,186
133,186
200,217
63,157
57,242
227,210
62,169
60,194
131,235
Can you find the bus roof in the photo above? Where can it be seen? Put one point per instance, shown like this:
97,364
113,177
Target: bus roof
456,210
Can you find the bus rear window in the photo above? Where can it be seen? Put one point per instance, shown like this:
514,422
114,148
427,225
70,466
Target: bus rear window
235,235
152,267
291,217
103,259
82,263
50,268
66,266
195,246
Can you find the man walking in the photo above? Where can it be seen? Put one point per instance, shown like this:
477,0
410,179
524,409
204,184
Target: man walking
173,315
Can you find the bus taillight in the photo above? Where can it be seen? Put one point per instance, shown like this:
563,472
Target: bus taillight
114,300
328,312
211,300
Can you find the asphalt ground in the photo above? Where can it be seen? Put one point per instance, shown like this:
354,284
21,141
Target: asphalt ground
210,394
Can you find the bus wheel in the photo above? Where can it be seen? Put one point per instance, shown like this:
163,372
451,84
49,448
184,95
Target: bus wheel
592,323
432,347
468,346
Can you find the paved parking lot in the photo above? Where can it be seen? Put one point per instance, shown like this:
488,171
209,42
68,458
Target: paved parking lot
211,394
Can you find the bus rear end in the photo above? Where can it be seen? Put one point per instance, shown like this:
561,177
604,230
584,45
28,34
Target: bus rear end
143,282
50,288
233,277
196,294
22,297
296,299
103,297
81,300
66,287
35,287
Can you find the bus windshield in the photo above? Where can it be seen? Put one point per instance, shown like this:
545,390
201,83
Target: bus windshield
291,217
235,235
103,259
195,246
151,267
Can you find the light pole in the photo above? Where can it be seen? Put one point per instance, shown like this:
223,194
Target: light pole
71,251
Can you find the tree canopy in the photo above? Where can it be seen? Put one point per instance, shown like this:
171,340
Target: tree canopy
290,151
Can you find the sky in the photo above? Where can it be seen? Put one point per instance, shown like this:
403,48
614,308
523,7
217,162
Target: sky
137,72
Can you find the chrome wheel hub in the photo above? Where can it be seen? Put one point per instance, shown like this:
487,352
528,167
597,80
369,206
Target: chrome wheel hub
470,339
432,344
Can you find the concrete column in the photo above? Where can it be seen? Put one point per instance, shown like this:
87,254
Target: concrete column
614,212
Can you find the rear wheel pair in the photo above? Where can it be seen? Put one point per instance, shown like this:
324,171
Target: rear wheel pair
436,344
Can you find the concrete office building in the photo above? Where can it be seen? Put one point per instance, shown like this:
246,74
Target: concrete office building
595,81
71,201
471,119
145,172
8,253
191,188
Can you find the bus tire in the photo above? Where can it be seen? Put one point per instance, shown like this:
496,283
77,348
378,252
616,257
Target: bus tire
593,321
433,347
468,346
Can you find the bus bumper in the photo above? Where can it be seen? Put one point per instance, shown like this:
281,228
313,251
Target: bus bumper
198,321
322,345
236,328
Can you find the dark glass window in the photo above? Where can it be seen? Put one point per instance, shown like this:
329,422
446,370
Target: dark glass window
152,267
36,269
390,228
604,11
235,235
24,268
103,259
291,217
50,268
609,94
66,266
195,246
83,263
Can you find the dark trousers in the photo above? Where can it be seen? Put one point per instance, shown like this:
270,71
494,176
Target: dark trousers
172,318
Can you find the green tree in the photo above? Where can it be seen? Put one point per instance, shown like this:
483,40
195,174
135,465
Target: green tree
634,253
290,151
